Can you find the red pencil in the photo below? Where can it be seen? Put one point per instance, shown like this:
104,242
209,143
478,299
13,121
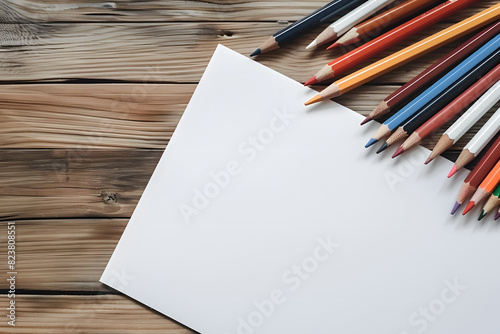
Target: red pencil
366,30
451,110
474,179
414,86
388,39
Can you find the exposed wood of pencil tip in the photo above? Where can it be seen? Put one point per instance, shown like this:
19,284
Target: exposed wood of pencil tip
466,191
464,158
442,145
492,202
396,136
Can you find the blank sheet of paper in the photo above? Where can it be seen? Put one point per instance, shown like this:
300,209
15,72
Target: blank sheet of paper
264,216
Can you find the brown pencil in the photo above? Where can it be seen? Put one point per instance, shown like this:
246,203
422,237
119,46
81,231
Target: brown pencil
373,26
421,81
408,54
390,38
448,112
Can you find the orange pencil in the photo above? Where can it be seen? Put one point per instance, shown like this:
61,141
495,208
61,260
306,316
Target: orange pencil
485,188
390,38
408,54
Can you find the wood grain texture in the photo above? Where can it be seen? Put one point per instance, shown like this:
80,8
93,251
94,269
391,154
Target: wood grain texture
113,116
96,314
167,10
157,52
64,254
73,182
75,158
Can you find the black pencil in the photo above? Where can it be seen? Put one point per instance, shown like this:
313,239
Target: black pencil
319,16
440,101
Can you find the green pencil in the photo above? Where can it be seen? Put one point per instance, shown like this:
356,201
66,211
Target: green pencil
492,203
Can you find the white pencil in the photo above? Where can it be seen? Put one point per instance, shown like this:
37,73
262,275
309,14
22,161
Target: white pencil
467,120
478,142
342,25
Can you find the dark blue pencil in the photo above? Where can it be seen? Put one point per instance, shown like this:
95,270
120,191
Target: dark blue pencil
324,14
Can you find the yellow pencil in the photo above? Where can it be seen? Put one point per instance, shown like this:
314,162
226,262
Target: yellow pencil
406,55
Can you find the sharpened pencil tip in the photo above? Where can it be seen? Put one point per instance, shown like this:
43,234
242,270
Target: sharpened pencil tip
366,120
497,215
452,171
311,81
469,207
371,142
399,151
312,45
333,46
429,159
481,216
315,99
383,147
455,207
256,53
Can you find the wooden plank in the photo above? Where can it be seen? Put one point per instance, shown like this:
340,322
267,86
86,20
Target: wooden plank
62,255
162,52
167,10
85,116
73,182
111,116
99,314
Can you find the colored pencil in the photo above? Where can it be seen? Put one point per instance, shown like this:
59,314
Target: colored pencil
485,188
381,43
410,53
435,89
488,100
477,143
421,81
324,14
491,203
497,215
477,174
342,25
471,116
375,25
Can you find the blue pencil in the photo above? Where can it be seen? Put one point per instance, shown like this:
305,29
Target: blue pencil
324,14
437,88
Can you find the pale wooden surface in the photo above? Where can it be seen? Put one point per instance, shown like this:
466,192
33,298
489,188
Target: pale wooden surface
90,93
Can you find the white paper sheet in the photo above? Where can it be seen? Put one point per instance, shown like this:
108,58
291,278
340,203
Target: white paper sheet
298,228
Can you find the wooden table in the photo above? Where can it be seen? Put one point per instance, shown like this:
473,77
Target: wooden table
90,94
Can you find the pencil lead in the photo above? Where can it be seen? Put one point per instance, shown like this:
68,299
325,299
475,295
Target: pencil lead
333,46
311,81
469,207
399,151
256,53
481,216
429,159
312,45
366,120
497,215
371,142
315,99
383,147
455,207
452,171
